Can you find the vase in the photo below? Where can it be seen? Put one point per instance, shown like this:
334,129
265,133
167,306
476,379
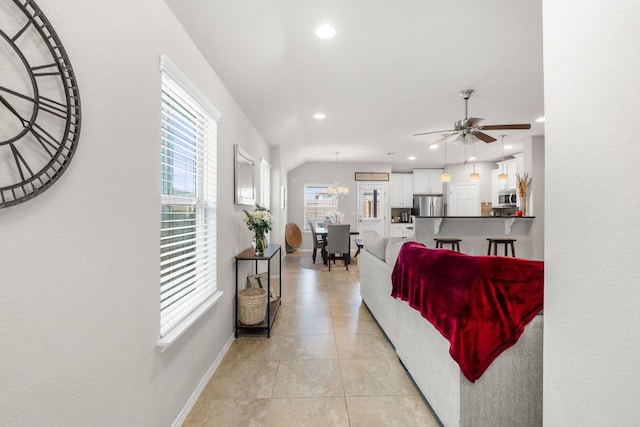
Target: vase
259,244
523,204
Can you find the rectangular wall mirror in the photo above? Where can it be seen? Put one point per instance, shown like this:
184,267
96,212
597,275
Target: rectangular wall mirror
245,168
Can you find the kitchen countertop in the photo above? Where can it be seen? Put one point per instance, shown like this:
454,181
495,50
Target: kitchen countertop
475,230
477,217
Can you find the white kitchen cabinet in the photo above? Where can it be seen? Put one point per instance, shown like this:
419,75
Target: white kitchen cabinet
427,181
511,168
401,190
395,190
495,187
421,181
436,186
407,190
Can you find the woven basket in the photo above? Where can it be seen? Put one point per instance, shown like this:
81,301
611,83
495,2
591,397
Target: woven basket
252,304
292,236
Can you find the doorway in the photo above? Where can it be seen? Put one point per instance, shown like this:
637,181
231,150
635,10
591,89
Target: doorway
464,200
372,207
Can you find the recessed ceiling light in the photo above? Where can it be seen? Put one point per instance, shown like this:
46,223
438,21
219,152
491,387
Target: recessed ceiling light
433,146
508,147
471,159
540,120
319,116
325,31
412,157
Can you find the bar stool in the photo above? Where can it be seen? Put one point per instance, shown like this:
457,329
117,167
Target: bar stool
455,243
505,242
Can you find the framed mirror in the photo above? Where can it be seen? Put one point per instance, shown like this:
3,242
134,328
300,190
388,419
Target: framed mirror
244,177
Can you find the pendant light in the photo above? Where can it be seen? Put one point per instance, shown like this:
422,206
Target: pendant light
446,176
503,177
474,176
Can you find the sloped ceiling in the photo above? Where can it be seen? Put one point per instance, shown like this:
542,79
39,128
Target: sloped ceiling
393,69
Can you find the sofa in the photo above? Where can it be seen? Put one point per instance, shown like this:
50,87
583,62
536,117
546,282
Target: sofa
508,394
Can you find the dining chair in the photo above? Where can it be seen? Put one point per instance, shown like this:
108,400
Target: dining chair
318,241
338,243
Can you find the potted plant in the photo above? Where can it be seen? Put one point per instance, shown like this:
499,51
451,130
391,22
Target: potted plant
258,221
522,185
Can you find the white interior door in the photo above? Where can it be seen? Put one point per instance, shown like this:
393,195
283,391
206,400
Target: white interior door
463,200
372,205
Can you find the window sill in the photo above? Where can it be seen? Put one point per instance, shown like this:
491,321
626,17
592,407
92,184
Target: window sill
165,342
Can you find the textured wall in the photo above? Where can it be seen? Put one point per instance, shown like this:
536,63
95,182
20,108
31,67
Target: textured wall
592,247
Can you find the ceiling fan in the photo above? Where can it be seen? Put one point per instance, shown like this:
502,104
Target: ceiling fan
470,130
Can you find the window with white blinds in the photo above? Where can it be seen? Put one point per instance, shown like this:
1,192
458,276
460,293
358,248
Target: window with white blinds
265,184
318,204
188,199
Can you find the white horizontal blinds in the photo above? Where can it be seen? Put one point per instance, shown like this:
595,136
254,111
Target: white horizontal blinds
265,184
318,204
188,199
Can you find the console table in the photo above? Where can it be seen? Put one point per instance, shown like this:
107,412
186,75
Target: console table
274,304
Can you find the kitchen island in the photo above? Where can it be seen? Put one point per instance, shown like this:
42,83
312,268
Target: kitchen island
474,231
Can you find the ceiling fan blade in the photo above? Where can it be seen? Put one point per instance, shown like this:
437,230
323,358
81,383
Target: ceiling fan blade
483,136
506,127
435,131
444,137
473,121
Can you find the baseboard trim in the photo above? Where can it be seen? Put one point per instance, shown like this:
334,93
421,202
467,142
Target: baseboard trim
184,413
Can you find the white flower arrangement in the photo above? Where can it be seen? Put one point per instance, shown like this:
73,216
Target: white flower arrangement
259,221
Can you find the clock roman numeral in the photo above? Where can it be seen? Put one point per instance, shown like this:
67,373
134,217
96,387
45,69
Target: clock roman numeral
45,104
45,139
37,73
53,107
20,162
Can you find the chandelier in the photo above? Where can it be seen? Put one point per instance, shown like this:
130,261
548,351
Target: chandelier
337,192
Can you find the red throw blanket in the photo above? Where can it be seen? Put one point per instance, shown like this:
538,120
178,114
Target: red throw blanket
481,304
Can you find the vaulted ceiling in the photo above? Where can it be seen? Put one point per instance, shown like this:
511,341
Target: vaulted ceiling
393,69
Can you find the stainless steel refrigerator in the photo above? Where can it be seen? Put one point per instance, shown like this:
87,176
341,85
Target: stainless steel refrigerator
428,205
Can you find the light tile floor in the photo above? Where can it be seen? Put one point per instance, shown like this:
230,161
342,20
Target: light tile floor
326,364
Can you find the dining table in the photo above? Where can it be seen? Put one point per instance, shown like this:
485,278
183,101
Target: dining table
321,230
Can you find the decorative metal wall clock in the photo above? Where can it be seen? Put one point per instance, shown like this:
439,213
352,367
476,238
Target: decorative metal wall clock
39,104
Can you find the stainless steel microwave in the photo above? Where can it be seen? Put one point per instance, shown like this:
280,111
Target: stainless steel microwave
507,197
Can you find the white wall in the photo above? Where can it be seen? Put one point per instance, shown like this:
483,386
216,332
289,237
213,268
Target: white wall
592,246
79,263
